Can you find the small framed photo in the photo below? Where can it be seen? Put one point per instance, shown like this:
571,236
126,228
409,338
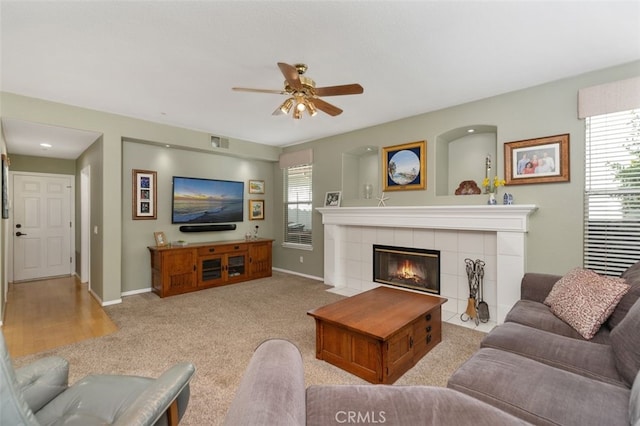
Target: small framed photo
144,194
161,239
540,160
332,199
256,187
404,166
256,209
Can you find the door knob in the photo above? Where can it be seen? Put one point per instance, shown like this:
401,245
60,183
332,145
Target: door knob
18,234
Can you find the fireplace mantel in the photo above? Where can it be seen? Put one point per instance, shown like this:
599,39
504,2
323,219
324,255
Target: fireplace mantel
499,218
350,231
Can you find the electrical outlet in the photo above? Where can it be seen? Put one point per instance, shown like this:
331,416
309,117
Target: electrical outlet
301,259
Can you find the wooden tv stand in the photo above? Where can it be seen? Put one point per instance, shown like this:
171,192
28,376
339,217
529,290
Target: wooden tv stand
181,269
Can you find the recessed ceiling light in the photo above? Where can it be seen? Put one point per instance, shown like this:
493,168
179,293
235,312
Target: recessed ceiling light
46,145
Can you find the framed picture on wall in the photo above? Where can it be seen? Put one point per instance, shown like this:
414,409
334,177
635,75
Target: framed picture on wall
256,187
144,194
404,166
540,160
256,209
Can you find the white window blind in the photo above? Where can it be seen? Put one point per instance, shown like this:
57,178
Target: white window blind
298,205
612,192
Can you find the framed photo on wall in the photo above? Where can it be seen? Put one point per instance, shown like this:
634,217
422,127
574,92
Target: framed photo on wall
540,160
404,166
256,187
144,194
256,209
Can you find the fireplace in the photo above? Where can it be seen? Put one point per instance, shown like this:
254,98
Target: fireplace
417,269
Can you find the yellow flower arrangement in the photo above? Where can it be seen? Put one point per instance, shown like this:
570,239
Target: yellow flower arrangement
492,186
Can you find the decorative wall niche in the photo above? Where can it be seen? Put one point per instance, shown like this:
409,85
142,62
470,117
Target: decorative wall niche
361,173
461,155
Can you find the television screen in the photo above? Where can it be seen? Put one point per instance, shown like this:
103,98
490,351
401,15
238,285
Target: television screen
198,200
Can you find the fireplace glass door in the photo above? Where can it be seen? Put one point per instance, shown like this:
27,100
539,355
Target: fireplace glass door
418,269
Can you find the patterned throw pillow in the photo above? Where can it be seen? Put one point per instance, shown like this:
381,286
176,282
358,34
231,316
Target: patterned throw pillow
584,300
567,280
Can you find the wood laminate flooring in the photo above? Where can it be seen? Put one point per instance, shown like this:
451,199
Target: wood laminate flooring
49,313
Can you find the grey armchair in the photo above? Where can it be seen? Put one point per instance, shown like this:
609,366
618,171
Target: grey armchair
38,395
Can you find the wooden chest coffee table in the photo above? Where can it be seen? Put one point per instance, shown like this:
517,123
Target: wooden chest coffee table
380,334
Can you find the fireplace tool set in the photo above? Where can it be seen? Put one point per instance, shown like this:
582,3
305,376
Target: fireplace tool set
477,308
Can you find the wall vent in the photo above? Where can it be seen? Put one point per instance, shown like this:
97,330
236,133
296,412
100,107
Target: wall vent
219,142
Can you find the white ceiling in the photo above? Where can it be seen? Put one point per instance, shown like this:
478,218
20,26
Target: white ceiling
175,62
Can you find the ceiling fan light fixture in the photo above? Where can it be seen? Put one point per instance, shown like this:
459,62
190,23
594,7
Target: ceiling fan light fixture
301,104
311,108
297,114
286,106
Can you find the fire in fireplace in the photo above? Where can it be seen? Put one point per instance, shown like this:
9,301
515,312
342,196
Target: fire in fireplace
418,269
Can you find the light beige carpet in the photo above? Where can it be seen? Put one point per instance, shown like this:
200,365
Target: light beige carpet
218,329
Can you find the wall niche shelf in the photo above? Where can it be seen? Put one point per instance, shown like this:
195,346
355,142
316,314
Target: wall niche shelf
461,154
360,173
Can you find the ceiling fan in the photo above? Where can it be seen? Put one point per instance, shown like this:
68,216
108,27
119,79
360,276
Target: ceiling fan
303,93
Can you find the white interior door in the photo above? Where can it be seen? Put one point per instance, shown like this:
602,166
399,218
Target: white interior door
41,226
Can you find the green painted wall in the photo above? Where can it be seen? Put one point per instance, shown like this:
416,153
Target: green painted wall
169,162
554,242
106,259
26,163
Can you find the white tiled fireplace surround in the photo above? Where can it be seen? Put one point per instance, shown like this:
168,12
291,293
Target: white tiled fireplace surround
494,234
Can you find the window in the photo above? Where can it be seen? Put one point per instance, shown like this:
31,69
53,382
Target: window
298,206
612,192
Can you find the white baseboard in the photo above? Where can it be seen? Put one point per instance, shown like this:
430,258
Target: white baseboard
134,292
109,303
286,271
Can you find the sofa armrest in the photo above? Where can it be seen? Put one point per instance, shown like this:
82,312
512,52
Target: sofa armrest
399,405
42,380
271,391
155,400
536,287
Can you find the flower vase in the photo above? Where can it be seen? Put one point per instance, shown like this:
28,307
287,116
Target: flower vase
492,199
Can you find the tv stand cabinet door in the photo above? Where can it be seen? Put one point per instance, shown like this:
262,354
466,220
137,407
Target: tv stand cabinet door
178,272
260,259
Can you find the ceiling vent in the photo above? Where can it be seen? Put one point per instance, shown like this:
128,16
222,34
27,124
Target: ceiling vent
219,142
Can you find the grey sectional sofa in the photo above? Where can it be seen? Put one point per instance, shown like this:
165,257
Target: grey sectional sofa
539,369
272,392
533,369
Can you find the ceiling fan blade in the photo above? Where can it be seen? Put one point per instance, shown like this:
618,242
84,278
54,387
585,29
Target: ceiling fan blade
291,75
346,89
326,107
246,89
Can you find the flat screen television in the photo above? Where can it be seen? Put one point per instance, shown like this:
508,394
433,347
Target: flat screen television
197,200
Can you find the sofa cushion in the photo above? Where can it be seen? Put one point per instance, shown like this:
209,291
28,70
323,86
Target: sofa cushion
538,393
632,277
578,356
634,402
399,405
585,300
625,342
538,315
